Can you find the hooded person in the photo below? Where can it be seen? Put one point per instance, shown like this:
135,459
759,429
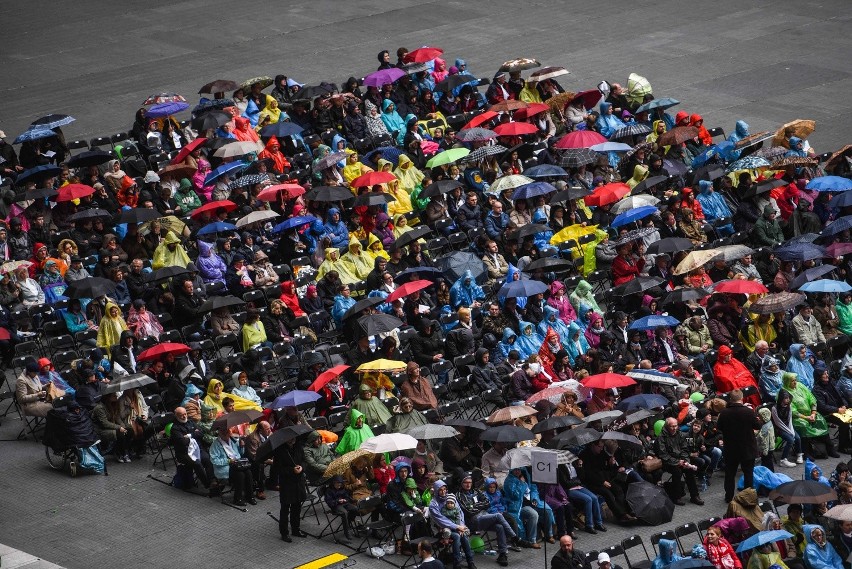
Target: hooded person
797,147
383,231
408,175
192,402
714,206
528,342
803,407
405,417
551,320
667,554
402,199
210,265
394,123
814,472
577,345
583,295
335,229
771,378
356,261
465,292
243,389
333,262
272,151
243,131
507,343
608,123
170,253
741,130
216,393
560,301
458,530
799,363
730,373
356,433
110,327
703,134
353,167
819,553
374,410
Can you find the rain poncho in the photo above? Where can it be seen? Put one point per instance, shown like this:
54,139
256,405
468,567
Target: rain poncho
409,176
820,556
393,122
336,230
375,412
356,261
333,262
740,132
165,257
562,303
542,238
668,554
341,305
654,135
211,267
801,367
803,403
515,491
353,436
375,249
110,329
402,201
795,142
510,277
844,314
246,391
191,391
528,342
462,294
51,282
215,401
583,295
713,204
731,375
577,345
810,466
551,320
272,151
608,123
354,167
770,382
507,342
640,172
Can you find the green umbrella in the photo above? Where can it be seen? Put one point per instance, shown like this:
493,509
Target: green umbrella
447,157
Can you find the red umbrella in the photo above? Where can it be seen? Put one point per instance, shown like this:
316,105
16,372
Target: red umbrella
289,191
532,110
480,119
838,250
371,179
162,350
408,288
73,192
515,129
422,55
184,152
4,334
590,98
580,139
227,205
607,381
327,376
609,193
740,286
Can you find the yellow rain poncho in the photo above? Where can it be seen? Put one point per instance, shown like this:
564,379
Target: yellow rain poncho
354,167
359,263
409,176
164,256
333,262
403,200
375,248
271,110
640,172
214,398
654,135
109,328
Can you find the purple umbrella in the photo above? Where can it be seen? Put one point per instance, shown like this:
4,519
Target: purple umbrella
165,110
383,77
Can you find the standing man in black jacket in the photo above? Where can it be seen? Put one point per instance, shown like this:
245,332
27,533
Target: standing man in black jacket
737,424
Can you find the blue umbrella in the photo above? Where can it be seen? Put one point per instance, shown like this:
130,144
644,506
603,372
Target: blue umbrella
293,222
222,170
653,321
763,538
165,109
799,252
53,121
281,129
750,162
634,214
389,153
34,133
825,285
840,224
829,184
295,398
216,227
611,147
653,376
545,171
841,201
642,401
809,275
721,150
522,288
38,173
663,103
532,189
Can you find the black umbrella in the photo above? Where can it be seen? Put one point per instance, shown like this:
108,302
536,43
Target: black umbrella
428,273
90,158
685,295
572,193
646,184
650,503
235,418
811,274
440,187
90,288
90,214
458,263
639,284
623,439
312,91
210,119
709,172
466,423
329,194
507,434
577,437
453,81
220,302
280,437
380,323
639,415
413,235
556,423
803,492
362,305
576,157
38,174
137,215
373,198
35,194
216,143
530,229
669,245
763,187
165,273
550,264
219,86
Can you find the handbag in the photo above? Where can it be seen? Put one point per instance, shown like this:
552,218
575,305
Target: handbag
650,464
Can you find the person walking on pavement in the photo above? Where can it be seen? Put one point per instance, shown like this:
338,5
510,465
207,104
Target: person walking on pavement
737,424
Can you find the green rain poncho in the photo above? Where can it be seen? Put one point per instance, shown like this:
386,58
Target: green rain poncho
375,412
804,403
354,435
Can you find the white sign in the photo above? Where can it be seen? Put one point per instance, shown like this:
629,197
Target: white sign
543,466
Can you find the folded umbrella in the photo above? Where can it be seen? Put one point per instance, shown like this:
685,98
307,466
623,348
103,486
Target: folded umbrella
430,432
389,442
653,322
777,302
650,503
508,434
92,287
634,215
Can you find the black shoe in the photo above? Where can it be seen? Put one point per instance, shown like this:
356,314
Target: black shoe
503,560
697,500
239,503
833,454
287,538
679,502
514,548
472,565
252,501
590,530
299,533
600,527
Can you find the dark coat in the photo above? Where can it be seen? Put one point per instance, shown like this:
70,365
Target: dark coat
737,424
293,490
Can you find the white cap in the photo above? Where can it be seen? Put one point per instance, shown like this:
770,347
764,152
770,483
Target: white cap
151,177
603,557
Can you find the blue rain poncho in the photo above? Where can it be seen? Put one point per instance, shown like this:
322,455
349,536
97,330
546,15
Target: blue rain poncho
528,342
801,367
464,291
607,124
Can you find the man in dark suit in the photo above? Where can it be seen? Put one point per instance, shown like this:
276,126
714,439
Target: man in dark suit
737,424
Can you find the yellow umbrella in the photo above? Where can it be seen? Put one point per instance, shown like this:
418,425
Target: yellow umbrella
382,365
799,127
694,260
341,464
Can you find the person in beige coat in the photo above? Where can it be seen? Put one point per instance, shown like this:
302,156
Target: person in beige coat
31,394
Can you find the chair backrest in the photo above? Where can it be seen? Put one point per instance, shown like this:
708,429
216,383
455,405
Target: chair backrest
685,531
592,558
656,537
634,542
615,551
704,525
716,131
318,423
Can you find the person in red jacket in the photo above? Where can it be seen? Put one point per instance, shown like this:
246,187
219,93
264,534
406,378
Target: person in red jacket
690,202
719,550
703,134
626,266
729,373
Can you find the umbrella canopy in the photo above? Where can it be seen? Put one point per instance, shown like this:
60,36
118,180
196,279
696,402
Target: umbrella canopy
638,284
799,127
607,381
415,234
611,147
326,376
650,503
430,432
646,185
826,285
797,161
90,288
280,437
53,120
510,182
361,306
631,130
842,512
548,73
510,413
685,295
235,418
638,201
730,253
589,98
838,249
264,80
160,350
838,225
281,130
753,139
642,401
211,119
605,417
480,119
580,139
508,434
296,398
762,538
12,266
554,422
329,194
372,179
219,86
213,207
634,235
476,134
532,190
515,128
164,273
662,104
694,260
285,191
256,216
407,289
519,64
372,198
607,194
293,222
837,202
577,437
750,162
466,423
453,81
777,302
552,264
341,465
447,157
220,302
35,194
810,275
133,381
457,263
383,77
161,110
740,286
633,215
677,135
799,251
238,149
73,192
38,174
90,158
522,289
803,492
829,184
532,110
217,227
484,152
521,457
389,442
90,214
380,323
382,364
435,189
576,157
247,180
227,168
178,171
428,273
763,187
653,376
572,193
